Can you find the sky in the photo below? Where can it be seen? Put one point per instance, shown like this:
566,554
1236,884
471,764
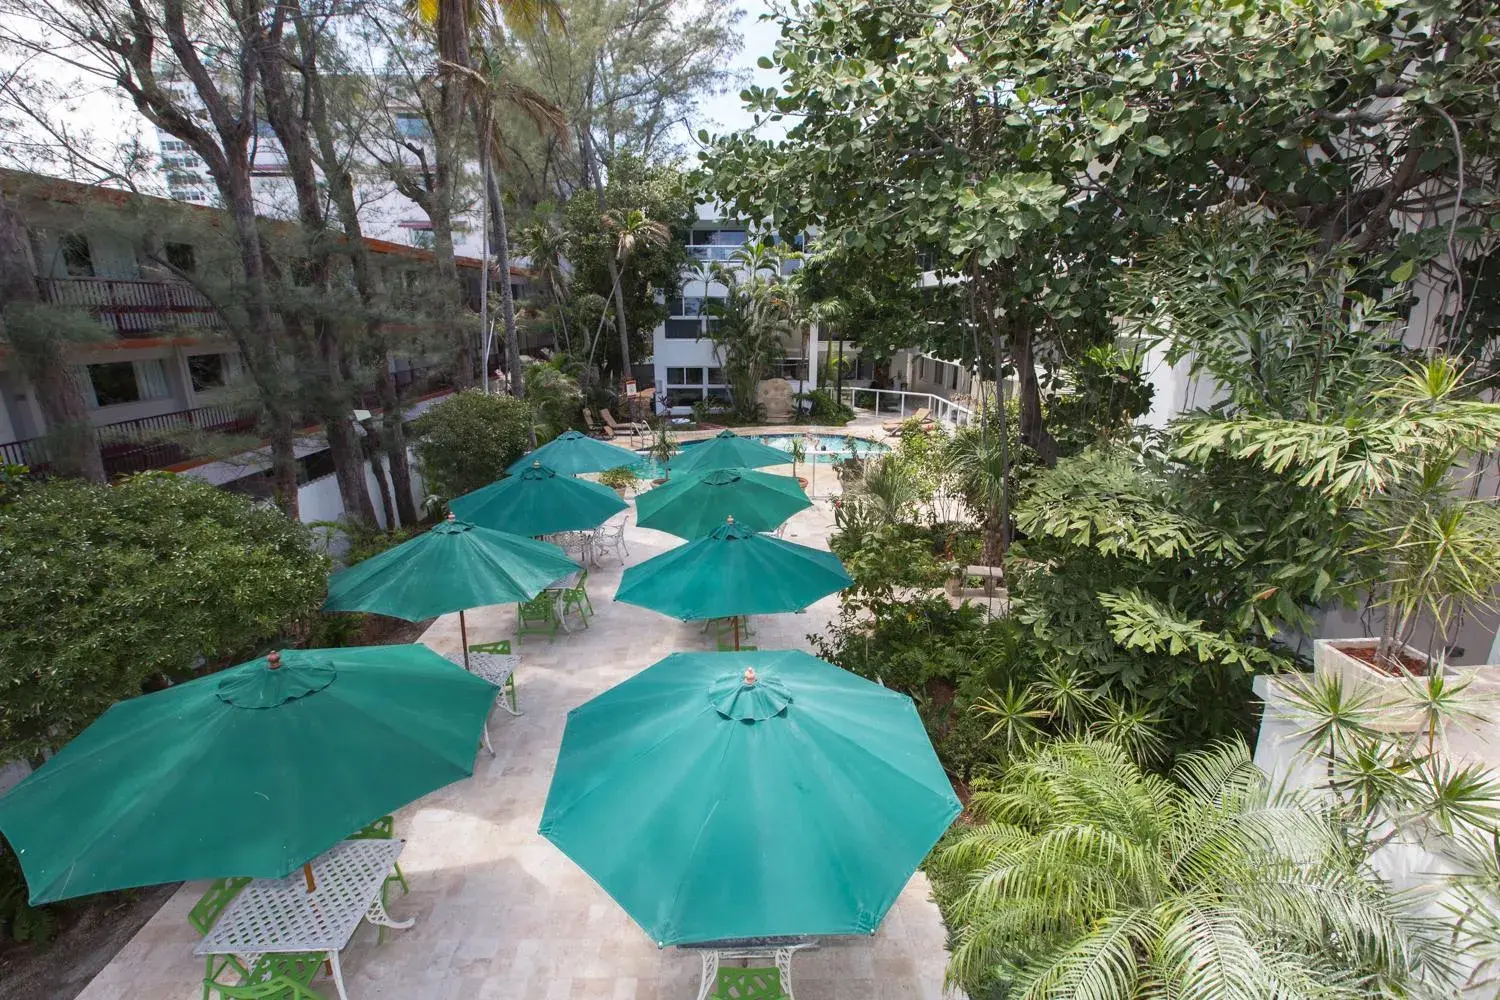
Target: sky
108,118
726,112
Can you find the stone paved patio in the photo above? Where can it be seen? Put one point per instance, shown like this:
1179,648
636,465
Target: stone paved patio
500,913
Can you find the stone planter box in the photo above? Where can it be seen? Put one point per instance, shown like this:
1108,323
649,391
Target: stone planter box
1388,692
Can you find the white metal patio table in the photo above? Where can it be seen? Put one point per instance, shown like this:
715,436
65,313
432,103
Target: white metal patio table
500,670
280,915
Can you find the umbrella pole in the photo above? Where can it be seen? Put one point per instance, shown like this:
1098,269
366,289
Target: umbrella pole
736,633
463,634
307,876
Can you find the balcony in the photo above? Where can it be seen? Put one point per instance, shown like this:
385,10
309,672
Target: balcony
139,445
135,308
715,251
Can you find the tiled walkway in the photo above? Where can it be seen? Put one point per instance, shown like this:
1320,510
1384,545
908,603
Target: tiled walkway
500,913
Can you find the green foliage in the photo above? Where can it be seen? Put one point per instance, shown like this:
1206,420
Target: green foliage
1105,395
1397,470
826,409
623,478
662,197
156,576
663,445
554,397
19,921
468,439
1084,876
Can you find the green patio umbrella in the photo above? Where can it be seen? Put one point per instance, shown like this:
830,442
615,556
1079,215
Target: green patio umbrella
719,796
732,571
570,453
692,505
453,567
251,771
539,502
727,450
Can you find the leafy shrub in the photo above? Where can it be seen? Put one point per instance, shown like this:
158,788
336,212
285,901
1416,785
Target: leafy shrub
19,921
156,575
468,439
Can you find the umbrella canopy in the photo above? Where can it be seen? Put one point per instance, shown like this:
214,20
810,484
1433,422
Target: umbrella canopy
727,450
570,453
251,771
539,502
739,795
456,565
732,571
693,505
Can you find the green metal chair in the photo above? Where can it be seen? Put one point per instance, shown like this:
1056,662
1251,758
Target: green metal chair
508,689
734,983
384,828
204,914
576,598
539,616
273,977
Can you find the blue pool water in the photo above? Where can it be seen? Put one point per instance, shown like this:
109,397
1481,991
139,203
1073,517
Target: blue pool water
828,448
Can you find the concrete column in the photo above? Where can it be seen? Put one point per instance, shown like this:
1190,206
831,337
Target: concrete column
812,357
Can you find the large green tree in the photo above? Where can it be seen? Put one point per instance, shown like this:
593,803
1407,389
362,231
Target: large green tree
1030,147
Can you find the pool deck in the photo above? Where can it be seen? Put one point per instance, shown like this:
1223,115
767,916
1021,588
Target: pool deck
500,912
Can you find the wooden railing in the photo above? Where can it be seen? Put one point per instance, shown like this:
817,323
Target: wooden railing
134,307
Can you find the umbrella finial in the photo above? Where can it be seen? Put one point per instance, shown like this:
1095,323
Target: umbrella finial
749,676
452,516
536,463
729,519
273,660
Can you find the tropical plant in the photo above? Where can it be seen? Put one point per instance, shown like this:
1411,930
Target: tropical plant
663,447
884,491
621,479
544,246
750,323
1398,467
156,576
1087,877
554,397
469,439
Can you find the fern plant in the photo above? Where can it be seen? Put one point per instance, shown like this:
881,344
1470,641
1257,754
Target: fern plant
1087,878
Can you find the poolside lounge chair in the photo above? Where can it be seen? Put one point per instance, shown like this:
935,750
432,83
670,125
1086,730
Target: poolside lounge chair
633,426
921,414
594,431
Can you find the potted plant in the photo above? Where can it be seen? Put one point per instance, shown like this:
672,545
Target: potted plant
1429,550
621,479
799,454
662,448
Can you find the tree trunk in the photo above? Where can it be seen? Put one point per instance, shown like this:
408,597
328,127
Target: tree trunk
453,89
257,346
1001,543
285,109
1033,430
366,282
72,445
507,300
596,170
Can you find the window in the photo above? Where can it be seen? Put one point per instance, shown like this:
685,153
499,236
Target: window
718,237
114,383
684,376
685,305
716,376
208,371
423,239
180,256
77,256
684,329
411,125
677,396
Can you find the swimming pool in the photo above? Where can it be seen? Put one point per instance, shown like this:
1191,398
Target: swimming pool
825,449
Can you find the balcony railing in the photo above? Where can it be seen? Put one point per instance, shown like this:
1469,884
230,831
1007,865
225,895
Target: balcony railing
712,252
138,445
134,307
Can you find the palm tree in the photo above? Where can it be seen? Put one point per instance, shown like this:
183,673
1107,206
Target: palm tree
634,230
545,246
980,460
1087,877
